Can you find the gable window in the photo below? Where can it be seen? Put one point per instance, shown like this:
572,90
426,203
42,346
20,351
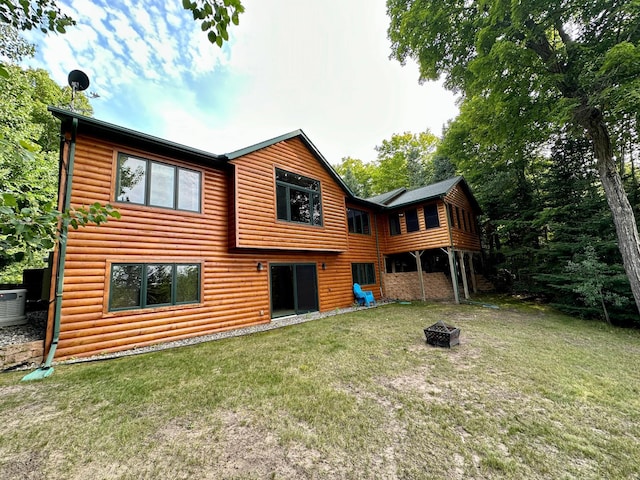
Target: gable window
298,198
411,217
147,285
363,273
394,223
358,221
431,218
156,184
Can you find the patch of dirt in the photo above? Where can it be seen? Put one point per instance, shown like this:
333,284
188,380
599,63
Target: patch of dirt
23,466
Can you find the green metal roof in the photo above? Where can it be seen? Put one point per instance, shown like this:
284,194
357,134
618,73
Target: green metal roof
394,199
99,128
402,197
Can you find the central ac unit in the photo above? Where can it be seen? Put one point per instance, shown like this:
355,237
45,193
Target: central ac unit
12,304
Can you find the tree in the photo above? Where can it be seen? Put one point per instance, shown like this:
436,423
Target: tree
405,160
357,175
215,16
29,149
577,63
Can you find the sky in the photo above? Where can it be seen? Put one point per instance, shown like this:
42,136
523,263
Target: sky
320,66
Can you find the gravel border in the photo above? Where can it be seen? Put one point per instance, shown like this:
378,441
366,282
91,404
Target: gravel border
275,323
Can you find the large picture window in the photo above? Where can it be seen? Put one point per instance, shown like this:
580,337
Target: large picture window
363,273
156,184
431,219
298,198
358,221
147,285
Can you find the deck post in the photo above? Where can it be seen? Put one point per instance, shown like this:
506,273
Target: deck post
474,282
463,272
454,276
418,257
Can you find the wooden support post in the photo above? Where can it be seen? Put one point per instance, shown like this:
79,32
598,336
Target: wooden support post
454,276
463,273
474,282
418,256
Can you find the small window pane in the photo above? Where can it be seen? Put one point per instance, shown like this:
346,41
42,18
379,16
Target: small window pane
394,224
295,179
299,201
132,180
126,282
365,223
363,273
159,284
162,192
187,283
431,218
358,221
282,200
188,190
351,220
317,209
411,217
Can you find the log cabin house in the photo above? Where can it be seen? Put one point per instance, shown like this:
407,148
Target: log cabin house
208,243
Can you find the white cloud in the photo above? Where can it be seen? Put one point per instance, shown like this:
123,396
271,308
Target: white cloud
318,65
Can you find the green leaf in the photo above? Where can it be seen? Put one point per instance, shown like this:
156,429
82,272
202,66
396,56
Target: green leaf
9,200
219,41
213,38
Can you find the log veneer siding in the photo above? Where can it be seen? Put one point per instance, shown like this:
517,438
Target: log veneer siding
256,225
469,238
236,228
233,293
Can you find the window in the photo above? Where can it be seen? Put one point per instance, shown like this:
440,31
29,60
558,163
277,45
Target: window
394,224
298,198
458,223
358,221
431,218
146,182
363,273
146,285
411,218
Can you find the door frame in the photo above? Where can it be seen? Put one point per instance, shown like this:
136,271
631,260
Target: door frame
295,286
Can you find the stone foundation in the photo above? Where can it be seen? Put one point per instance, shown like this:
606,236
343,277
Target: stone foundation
406,286
21,353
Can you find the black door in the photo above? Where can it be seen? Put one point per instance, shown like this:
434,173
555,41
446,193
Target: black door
294,289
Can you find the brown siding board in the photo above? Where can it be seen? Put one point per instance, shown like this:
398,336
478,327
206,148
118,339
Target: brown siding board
256,223
234,293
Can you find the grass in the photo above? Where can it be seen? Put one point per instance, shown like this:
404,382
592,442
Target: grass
529,393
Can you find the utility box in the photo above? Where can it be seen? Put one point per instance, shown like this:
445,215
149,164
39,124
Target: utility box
12,303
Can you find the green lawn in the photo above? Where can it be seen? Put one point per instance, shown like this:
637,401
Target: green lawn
529,393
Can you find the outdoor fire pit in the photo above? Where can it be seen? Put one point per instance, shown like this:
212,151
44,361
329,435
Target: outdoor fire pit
442,335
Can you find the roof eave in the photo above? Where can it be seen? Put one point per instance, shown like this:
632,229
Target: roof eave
132,138
308,143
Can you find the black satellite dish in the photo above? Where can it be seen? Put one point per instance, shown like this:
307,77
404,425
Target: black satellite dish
78,80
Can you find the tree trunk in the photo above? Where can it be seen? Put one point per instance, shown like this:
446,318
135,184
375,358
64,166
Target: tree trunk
623,217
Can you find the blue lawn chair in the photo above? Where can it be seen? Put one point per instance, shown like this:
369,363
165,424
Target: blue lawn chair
363,297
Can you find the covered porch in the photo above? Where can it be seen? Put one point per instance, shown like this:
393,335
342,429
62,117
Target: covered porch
437,267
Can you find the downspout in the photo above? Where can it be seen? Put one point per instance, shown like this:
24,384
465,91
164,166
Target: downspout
375,219
46,369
